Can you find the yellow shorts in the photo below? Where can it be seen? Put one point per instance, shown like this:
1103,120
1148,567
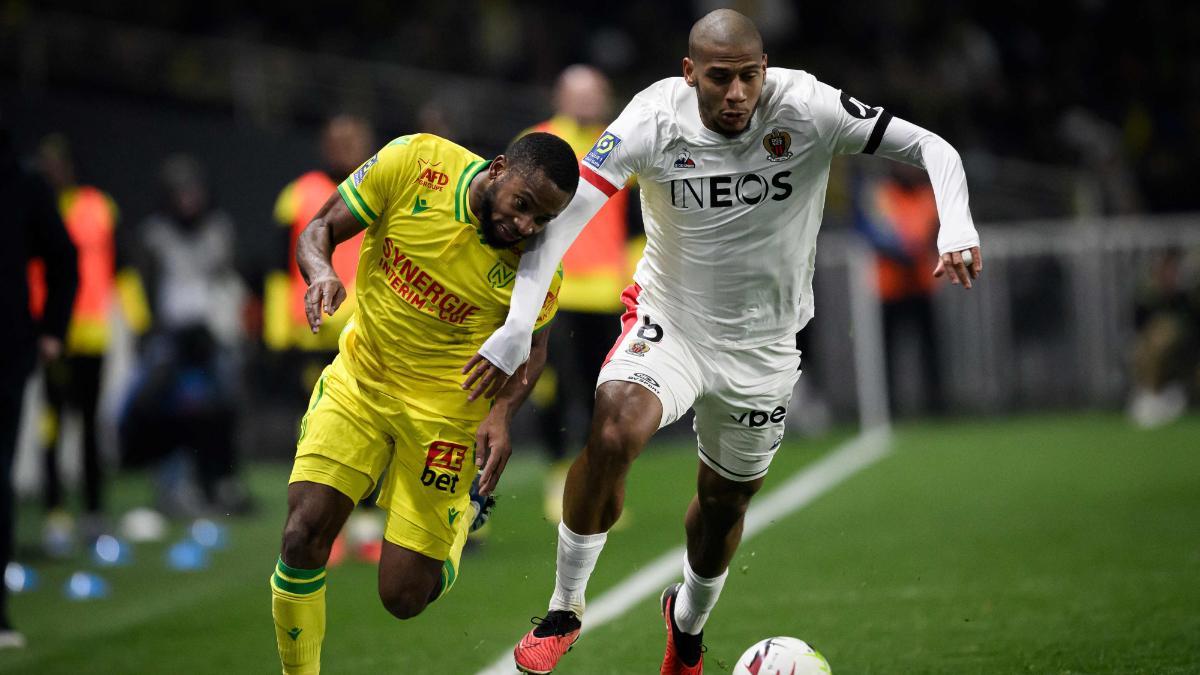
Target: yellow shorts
352,438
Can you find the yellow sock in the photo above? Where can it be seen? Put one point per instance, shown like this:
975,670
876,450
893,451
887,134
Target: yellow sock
450,567
298,607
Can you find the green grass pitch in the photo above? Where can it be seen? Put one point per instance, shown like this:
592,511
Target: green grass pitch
1056,544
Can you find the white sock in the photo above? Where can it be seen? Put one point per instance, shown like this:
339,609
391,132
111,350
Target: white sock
696,599
577,555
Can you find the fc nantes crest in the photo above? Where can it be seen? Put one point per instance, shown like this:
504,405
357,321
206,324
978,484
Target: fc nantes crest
501,275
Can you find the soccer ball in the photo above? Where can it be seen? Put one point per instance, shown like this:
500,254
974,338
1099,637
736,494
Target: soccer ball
782,656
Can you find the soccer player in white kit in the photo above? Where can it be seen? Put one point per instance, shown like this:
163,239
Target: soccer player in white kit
733,161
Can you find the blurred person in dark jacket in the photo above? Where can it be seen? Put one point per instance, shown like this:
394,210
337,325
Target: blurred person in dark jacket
184,406
33,230
73,382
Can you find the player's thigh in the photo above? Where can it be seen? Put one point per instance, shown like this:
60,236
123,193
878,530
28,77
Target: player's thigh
739,424
426,491
344,442
653,355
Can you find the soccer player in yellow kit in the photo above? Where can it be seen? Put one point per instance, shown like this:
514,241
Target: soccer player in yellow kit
444,232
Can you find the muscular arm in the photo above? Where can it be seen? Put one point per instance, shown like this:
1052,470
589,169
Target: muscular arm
517,389
332,225
492,444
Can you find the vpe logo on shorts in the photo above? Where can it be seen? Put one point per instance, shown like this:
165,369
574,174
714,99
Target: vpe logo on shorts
447,456
602,149
759,418
361,174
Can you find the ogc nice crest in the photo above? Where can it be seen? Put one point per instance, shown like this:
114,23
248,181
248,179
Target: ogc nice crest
778,144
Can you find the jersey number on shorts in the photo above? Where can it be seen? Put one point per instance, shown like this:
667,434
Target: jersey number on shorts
651,332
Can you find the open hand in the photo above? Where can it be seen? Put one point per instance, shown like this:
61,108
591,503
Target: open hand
483,378
323,295
492,450
959,271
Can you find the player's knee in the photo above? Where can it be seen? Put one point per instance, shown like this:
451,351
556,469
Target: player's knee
305,544
403,601
726,505
612,443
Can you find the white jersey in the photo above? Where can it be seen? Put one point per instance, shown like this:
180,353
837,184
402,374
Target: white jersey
731,223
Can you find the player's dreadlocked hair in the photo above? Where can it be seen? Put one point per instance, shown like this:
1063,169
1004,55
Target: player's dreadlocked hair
549,153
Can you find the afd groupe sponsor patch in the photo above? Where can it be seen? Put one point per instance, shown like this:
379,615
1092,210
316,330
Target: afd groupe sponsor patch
430,177
361,174
602,149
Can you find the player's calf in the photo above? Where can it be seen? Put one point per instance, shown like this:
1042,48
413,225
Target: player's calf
625,419
715,519
315,515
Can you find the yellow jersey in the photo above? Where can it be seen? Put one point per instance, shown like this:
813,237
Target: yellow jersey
429,290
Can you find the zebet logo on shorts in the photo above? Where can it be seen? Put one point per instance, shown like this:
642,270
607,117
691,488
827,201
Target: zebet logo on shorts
447,456
759,418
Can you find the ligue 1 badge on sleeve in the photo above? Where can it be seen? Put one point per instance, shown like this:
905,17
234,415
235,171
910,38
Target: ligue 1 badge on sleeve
601,150
778,144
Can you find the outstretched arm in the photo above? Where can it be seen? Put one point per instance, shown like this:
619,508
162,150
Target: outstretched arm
508,347
906,142
332,225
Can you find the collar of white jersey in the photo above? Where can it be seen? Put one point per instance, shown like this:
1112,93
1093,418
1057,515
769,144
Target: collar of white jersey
695,131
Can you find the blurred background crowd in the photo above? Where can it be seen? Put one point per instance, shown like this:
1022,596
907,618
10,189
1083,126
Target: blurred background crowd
186,144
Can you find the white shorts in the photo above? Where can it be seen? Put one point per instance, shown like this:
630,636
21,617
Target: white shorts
740,396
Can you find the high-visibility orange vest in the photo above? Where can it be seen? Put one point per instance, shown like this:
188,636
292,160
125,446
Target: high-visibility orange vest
90,218
297,205
596,267
913,216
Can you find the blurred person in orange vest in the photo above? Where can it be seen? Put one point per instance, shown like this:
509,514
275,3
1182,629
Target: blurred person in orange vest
73,380
346,142
898,215
595,271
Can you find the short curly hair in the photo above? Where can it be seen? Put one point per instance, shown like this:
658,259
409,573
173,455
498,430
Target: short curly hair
550,154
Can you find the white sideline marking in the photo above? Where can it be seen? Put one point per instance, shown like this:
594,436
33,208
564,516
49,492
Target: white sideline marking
793,495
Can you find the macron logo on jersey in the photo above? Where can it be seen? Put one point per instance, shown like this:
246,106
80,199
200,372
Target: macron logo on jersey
602,149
